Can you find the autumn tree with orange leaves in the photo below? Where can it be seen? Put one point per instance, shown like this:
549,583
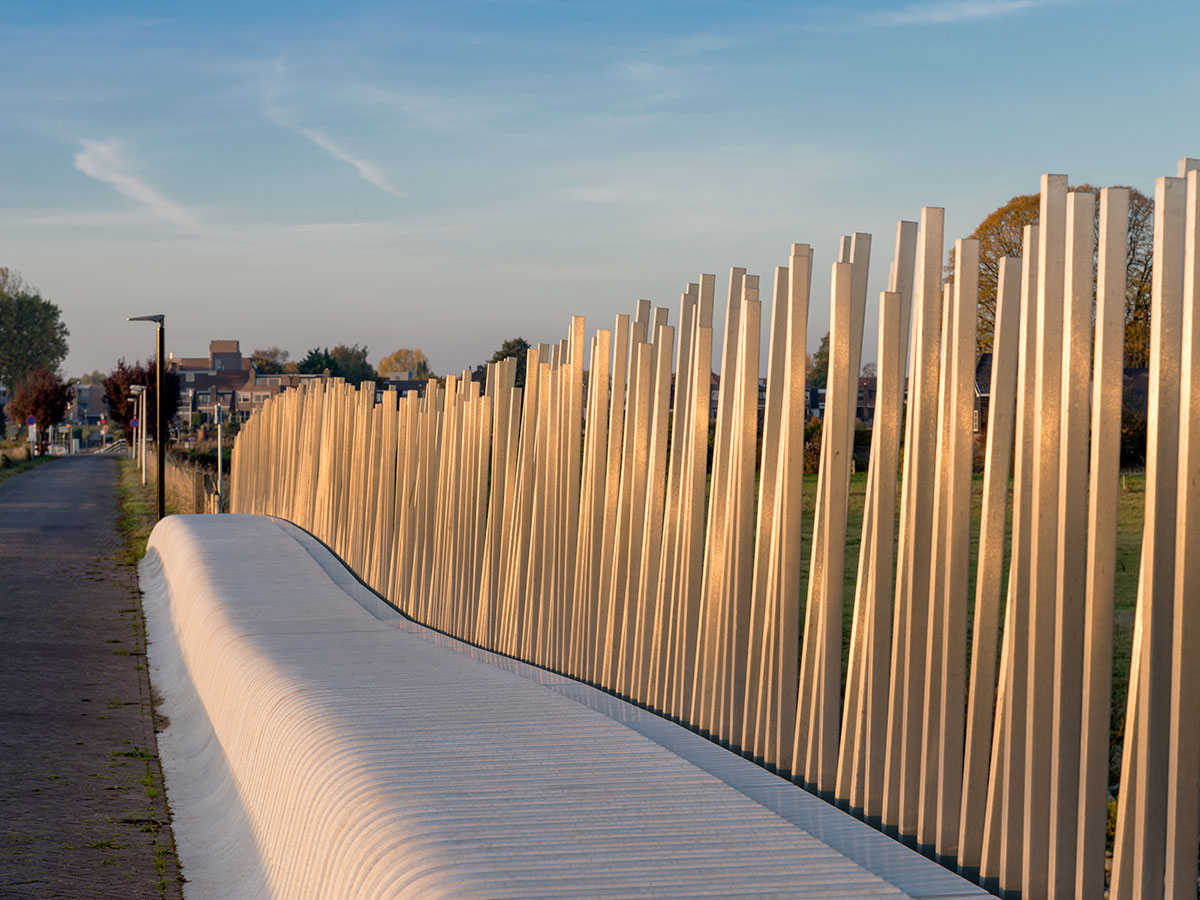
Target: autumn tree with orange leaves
1000,235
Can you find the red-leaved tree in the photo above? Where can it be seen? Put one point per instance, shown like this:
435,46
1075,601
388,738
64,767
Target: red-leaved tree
43,395
117,394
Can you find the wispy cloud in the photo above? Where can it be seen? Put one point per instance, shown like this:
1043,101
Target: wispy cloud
104,161
950,12
366,169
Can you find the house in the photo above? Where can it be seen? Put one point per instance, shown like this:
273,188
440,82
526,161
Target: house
227,377
816,401
218,378
1135,390
403,383
983,392
864,404
88,405
258,389
864,410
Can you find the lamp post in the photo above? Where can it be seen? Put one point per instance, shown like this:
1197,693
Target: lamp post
132,450
220,461
160,425
139,438
142,435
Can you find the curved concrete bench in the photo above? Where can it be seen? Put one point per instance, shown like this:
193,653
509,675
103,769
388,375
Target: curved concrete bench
321,745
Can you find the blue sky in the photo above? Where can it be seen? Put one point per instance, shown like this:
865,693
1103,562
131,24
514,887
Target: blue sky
447,175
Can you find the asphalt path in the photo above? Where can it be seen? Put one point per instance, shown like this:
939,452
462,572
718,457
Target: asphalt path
82,812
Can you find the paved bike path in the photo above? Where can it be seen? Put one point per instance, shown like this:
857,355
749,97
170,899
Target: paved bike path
80,790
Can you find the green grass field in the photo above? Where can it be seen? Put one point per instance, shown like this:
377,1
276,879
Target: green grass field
1129,538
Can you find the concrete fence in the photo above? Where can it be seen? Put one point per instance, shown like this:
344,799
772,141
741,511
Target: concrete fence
577,524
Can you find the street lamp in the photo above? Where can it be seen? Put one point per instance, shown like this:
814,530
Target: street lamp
142,435
220,460
139,448
160,425
132,450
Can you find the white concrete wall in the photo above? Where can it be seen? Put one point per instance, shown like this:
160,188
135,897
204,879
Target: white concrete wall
320,745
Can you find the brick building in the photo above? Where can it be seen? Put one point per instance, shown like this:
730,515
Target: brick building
226,377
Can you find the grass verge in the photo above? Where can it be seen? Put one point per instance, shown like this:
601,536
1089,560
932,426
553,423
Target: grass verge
13,467
136,512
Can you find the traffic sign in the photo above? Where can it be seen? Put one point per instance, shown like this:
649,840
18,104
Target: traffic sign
133,423
32,420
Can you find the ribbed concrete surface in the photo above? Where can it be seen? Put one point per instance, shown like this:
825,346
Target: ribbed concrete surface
322,746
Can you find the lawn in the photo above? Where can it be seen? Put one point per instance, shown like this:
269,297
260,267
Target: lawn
1129,538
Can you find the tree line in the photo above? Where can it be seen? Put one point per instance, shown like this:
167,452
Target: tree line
350,361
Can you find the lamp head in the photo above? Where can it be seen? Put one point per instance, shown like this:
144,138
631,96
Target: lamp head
158,318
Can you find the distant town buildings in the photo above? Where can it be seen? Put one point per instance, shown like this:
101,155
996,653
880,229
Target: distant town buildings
227,378
88,406
218,378
402,383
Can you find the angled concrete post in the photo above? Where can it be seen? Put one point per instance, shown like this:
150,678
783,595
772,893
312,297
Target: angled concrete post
760,621
779,722
1047,419
1071,542
989,576
1139,859
905,700
1000,865
1183,785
